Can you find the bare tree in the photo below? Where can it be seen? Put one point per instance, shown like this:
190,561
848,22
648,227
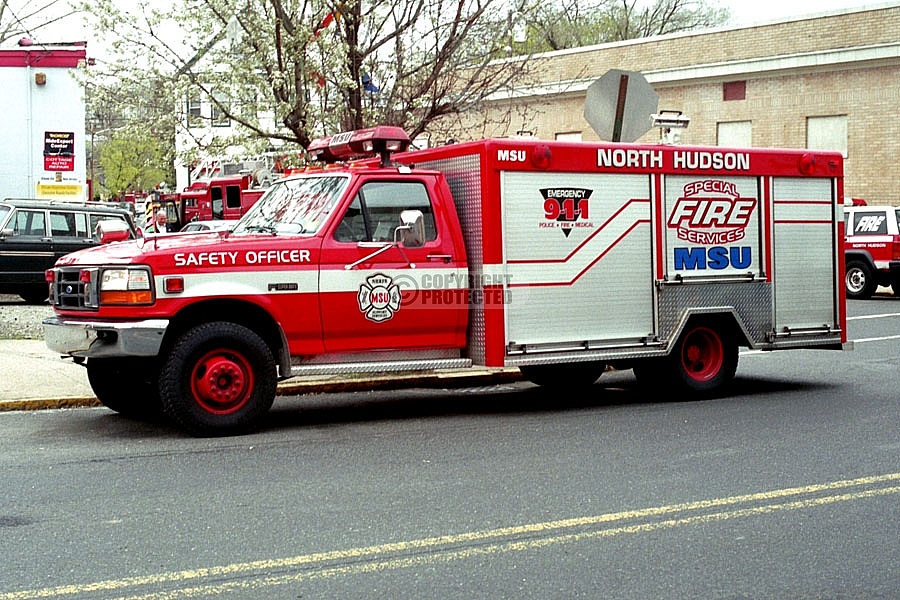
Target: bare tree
288,71
32,17
293,70
575,23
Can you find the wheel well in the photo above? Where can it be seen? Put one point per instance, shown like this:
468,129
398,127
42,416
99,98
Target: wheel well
859,255
726,323
241,312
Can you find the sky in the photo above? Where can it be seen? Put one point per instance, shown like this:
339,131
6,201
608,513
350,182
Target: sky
744,12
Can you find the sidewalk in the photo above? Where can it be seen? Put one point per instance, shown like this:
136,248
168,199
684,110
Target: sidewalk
35,378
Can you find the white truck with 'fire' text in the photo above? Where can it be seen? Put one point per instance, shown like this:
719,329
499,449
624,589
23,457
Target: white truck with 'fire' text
559,258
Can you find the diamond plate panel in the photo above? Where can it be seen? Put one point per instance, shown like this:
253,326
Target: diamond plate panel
463,174
752,304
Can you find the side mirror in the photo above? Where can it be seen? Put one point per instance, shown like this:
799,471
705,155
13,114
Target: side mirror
6,233
112,230
411,232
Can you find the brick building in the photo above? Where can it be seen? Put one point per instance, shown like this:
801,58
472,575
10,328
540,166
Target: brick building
826,81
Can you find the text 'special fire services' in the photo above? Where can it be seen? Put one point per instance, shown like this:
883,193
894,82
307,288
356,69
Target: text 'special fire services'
559,258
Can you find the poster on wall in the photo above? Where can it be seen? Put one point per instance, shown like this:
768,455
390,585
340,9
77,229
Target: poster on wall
59,151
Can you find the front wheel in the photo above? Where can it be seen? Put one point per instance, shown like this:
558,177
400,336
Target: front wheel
128,386
36,294
859,280
219,379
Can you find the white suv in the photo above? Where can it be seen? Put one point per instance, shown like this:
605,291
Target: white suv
871,250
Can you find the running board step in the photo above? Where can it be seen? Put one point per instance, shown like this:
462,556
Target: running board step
380,366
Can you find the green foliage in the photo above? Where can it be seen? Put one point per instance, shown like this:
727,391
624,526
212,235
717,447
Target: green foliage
134,160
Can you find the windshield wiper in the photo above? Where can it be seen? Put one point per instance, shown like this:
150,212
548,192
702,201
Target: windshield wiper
263,228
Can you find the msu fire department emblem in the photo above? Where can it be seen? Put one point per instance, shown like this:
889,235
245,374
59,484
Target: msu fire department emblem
379,297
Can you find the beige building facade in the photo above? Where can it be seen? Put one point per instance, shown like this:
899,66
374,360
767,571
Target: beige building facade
827,81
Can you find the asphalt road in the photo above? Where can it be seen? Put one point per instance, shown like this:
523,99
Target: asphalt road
787,488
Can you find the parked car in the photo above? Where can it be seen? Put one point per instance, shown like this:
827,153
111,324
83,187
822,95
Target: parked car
35,233
871,250
211,225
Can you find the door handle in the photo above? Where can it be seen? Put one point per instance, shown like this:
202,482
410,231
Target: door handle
441,257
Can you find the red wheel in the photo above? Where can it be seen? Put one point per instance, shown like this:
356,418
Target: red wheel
705,359
218,379
702,354
221,381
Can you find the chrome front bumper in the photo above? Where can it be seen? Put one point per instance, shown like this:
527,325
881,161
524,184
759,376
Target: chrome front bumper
92,339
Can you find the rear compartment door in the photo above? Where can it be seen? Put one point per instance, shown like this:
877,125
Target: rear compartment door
579,257
806,255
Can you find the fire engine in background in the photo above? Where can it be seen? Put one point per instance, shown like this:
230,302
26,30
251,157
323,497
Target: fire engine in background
219,196
871,249
559,258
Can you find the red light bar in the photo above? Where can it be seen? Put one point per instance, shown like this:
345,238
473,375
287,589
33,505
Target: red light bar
374,141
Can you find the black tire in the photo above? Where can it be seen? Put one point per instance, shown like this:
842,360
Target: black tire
129,386
859,280
219,379
895,288
35,295
577,375
701,364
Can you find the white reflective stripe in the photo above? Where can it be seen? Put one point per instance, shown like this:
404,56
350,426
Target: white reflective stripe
238,283
243,283
422,278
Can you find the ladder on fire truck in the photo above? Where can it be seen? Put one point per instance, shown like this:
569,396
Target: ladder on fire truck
206,169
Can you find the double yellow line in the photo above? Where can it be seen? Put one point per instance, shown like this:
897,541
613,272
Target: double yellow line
443,549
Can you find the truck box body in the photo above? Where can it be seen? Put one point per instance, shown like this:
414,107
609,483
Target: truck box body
602,251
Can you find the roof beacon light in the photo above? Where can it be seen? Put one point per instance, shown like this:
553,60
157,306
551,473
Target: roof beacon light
362,143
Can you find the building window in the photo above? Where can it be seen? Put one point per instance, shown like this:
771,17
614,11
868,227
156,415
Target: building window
194,115
569,136
216,114
827,133
734,134
734,90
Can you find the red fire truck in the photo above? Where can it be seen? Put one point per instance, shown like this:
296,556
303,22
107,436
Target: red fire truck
225,197
559,258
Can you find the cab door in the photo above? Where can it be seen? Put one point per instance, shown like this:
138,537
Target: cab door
378,295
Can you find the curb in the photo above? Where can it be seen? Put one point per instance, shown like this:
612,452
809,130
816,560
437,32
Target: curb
298,386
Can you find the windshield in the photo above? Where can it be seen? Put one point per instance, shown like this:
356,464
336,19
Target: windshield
297,205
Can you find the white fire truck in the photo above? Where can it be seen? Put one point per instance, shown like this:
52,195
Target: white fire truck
559,258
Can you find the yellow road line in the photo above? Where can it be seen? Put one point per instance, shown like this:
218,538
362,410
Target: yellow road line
492,541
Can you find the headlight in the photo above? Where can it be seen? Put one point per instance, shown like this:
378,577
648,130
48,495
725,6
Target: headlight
127,285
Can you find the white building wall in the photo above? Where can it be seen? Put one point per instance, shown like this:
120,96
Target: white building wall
42,129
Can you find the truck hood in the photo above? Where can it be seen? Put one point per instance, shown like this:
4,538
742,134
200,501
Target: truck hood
167,250
131,251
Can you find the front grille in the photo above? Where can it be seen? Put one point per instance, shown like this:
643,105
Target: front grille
70,291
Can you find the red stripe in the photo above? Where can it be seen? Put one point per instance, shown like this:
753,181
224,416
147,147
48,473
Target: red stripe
42,58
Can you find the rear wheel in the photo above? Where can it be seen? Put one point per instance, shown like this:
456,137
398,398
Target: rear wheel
702,363
35,294
565,375
859,280
128,386
219,379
